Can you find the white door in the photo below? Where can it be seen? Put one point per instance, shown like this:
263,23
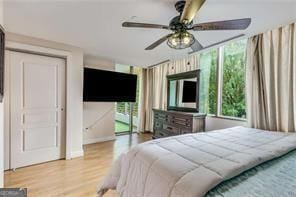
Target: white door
37,92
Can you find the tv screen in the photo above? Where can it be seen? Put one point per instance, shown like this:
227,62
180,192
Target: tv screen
189,92
108,86
2,52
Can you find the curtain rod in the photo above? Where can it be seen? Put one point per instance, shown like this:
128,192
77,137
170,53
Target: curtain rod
158,64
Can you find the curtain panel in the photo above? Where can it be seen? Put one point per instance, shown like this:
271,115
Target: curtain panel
154,87
271,80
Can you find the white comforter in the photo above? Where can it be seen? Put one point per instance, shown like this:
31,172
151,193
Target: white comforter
192,164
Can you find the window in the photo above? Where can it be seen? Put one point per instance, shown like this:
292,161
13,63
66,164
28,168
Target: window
208,77
233,87
222,80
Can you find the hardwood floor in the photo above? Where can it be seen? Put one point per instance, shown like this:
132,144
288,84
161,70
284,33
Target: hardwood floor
76,177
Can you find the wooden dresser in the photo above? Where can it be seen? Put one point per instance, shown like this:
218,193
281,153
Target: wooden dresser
170,123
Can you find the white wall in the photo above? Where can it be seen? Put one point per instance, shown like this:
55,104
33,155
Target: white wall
213,123
74,90
1,120
98,117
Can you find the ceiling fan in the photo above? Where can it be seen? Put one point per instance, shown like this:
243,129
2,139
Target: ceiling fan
180,38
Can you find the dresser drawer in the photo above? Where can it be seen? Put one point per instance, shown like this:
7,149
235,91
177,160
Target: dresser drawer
185,131
157,124
171,129
161,116
183,123
162,133
170,123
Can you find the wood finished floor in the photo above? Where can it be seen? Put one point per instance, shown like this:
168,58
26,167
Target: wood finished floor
76,177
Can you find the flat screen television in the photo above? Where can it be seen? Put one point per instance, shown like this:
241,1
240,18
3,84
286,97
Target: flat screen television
108,86
189,92
2,53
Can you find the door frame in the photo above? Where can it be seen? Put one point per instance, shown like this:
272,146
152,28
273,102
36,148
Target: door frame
35,50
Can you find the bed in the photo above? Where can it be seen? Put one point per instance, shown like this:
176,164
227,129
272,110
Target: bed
273,178
194,164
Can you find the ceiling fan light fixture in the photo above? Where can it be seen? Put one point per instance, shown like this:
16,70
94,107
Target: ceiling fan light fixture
180,40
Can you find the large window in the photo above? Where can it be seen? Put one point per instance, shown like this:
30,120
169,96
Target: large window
233,87
222,81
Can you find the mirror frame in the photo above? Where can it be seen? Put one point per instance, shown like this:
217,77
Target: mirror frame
179,76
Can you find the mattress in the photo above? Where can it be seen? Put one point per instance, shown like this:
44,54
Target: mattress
193,164
273,178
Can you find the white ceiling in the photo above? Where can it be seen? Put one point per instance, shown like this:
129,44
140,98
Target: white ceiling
95,25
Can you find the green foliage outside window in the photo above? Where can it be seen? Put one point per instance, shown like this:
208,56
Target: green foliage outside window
233,87
208,85
120,107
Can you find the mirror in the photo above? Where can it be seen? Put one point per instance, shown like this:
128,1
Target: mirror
183,91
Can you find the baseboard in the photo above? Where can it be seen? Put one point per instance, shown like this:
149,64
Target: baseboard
78,153
99,139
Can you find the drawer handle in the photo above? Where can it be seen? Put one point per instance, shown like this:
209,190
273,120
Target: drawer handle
170,128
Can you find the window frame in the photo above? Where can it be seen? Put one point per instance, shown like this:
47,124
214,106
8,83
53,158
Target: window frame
219,89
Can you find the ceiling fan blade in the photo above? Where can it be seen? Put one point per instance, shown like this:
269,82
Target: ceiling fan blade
190,9
144,25
196,46
158,42
235,24
217,43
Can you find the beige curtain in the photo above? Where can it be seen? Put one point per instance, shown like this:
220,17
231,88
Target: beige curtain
154,87
271,80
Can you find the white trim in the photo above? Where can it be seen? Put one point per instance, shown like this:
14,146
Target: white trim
37,49
227,117
98,139
6,120
10,45
75,154
219,80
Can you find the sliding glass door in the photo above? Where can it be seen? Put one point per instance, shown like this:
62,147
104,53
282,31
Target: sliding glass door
122,118
135,105
126,115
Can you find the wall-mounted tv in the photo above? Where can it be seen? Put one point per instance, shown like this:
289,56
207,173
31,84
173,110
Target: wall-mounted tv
2,53
189,92
108,86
